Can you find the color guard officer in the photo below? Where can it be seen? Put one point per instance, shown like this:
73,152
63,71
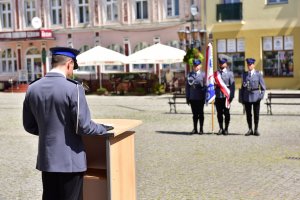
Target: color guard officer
252,92
56,110
195,94
224,90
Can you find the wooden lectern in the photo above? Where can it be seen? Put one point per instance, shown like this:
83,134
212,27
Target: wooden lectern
111,163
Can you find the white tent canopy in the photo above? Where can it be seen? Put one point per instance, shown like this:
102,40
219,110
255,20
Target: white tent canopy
157,53
101,56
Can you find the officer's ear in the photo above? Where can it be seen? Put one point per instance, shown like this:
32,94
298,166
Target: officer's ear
70,63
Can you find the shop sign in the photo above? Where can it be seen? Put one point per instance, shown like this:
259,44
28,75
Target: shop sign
21,35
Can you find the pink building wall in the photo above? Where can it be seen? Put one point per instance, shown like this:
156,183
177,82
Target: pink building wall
126,28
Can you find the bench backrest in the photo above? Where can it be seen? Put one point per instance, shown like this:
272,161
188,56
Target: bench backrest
176,95
283,95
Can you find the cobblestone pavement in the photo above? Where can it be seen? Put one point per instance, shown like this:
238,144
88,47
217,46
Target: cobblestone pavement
170,164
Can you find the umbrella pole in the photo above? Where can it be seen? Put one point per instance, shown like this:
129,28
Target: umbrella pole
99,75
159,75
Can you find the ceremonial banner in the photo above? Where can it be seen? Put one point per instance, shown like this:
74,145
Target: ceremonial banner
210,93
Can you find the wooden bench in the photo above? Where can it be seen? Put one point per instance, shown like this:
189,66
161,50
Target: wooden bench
271,96
177,98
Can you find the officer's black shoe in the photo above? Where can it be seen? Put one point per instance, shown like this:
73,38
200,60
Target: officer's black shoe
250,132
194,131
225,132
220,132
201,132
256,133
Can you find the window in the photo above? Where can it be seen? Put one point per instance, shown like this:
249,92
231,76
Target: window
6,15
278,56
112,10
141,9
56,12
83,11
277,1
30,11
8,61
234,51
231,1
172,8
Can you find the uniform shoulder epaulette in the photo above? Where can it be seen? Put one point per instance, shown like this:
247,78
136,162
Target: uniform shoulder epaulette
73,81
34,81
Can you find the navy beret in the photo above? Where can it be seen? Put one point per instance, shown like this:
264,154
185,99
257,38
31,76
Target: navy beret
222,60
250,61
196,62
66,51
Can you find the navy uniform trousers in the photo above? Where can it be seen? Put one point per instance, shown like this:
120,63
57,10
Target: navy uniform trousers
256,108
62,186
198,114
222,110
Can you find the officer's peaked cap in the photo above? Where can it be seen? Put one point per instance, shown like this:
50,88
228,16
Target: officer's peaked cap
66,51
196,62
250,61
222,60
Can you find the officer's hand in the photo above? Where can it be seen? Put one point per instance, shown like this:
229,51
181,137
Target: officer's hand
108,128
187,102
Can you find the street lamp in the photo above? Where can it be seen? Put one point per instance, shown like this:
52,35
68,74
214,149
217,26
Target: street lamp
190,38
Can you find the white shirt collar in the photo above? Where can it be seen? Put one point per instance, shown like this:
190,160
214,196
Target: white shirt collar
224,70
252,72
58,71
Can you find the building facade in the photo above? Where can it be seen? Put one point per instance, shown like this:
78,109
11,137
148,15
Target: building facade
125,26
267,30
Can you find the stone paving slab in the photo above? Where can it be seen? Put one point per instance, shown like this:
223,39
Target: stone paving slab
170,163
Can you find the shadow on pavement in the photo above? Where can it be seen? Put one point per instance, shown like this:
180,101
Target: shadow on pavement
174,132
205,113
189,133
280,114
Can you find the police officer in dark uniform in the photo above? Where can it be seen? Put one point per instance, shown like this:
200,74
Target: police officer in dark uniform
195,94
220,101
55,109
252,92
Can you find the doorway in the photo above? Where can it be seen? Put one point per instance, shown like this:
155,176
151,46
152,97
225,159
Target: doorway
34,64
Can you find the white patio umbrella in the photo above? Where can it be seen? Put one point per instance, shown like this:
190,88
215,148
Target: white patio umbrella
157,54
100,56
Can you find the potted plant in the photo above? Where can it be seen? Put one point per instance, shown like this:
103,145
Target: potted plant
102,91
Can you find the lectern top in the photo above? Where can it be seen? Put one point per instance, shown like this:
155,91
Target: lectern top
120,125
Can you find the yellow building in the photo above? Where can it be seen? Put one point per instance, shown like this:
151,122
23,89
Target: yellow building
266,30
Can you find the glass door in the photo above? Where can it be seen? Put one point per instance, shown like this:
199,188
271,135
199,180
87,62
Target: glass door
34,67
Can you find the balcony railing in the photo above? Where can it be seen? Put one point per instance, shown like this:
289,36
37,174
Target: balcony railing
233,11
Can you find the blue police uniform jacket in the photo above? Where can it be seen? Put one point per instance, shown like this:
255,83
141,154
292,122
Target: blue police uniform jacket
228,78
253,87
195,86
56,110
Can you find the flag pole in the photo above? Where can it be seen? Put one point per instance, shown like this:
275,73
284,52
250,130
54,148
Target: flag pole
212,116
210,95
